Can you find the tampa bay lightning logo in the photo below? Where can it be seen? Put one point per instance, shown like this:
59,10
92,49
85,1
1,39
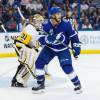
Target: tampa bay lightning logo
62,38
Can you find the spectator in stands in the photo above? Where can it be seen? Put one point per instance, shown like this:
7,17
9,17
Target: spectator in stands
46,3
24,2
89,8
97,23
1,8
71,19
84,6
59,3
31,5
39,5
11,25
10,2
86,25
4,2
98,11
94,16
74,4
10,20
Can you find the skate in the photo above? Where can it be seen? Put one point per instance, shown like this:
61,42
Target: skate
38,88
77,89
14,83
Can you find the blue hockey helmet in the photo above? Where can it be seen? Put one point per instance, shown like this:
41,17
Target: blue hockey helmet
55,10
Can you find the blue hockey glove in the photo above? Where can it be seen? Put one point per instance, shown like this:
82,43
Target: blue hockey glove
76,49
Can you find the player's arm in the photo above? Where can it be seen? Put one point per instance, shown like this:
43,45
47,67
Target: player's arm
75,43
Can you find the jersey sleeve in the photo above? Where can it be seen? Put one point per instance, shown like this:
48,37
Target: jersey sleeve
73,35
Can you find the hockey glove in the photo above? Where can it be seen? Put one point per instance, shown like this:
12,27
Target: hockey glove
76,49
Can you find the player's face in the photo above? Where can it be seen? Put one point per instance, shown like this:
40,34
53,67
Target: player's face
57,17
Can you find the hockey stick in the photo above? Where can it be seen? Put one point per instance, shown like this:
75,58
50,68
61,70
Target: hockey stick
27,66
20,13
23,18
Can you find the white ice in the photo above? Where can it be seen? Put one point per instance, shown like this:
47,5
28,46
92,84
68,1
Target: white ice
59,88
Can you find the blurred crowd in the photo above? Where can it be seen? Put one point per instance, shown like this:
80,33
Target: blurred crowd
87,14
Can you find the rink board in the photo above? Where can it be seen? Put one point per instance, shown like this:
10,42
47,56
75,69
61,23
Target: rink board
90,43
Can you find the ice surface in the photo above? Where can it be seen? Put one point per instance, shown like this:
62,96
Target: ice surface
59,88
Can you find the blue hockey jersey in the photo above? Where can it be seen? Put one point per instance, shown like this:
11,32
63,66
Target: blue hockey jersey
67,34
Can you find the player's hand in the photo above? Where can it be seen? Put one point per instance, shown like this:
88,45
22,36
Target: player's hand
76,49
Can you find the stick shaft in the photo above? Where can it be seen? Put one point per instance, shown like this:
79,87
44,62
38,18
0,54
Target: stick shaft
20,13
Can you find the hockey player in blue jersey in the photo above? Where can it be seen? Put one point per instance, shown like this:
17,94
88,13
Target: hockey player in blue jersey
59,32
